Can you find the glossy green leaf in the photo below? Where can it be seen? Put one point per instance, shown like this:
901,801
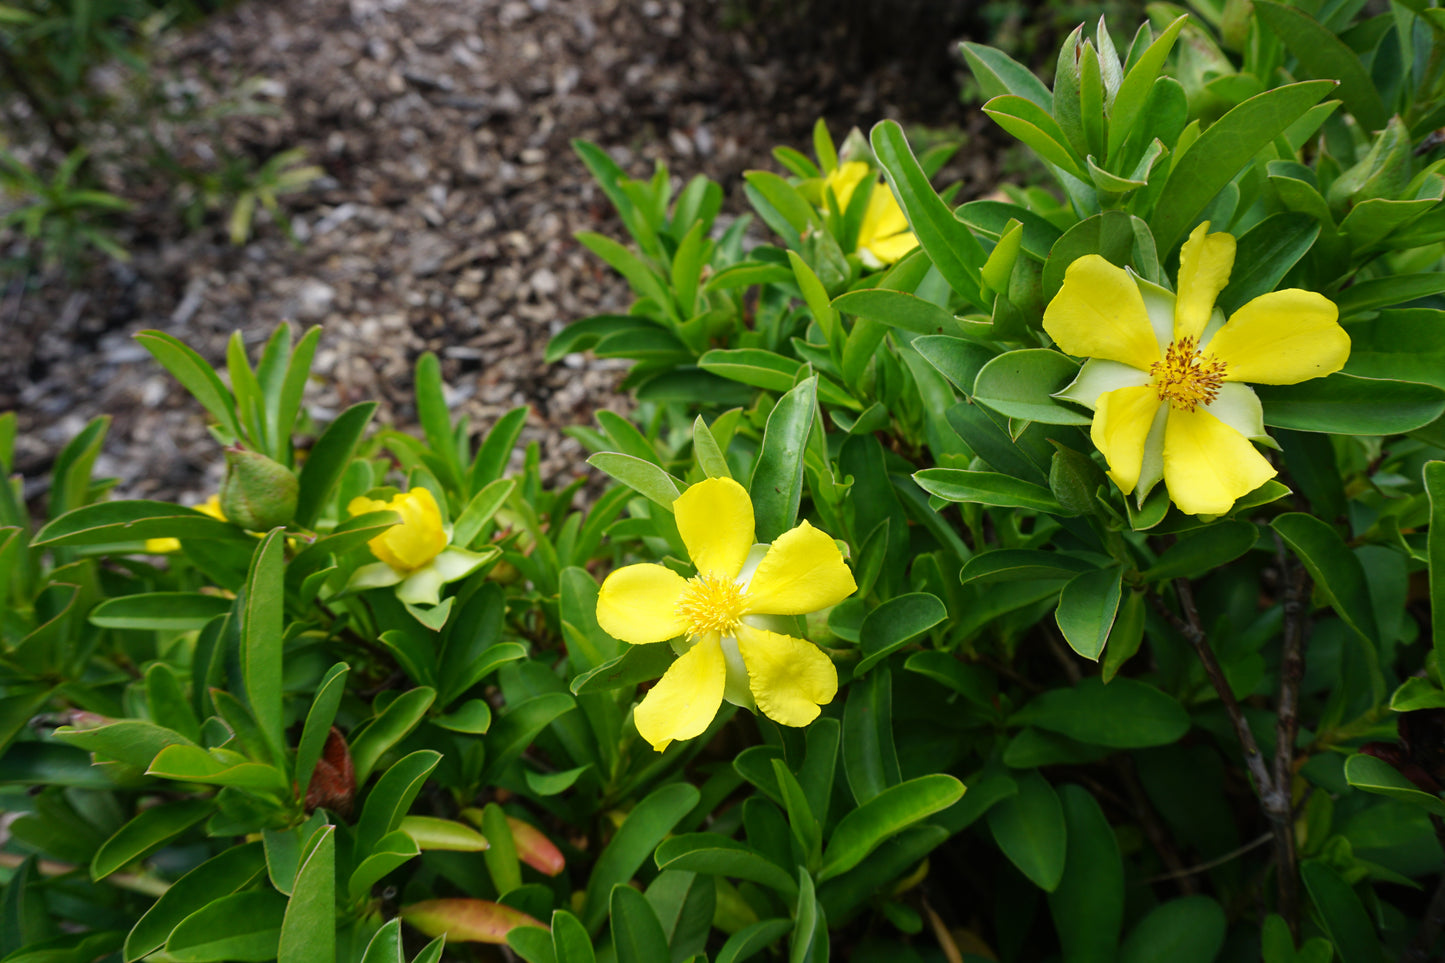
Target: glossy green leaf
894,624
240,928
986,488
515,730
636,664
1137,83
570,941
1087,606
1337,572
1038,130
1323,54
954,251
1187,930
753,939
1342,914
641,476
1088,904
393,724
713,853
900,309
1203,551
147,832
1217,156
1379,777
196,374
329,459
861,831
776,485
105,523
466,920
1343,404
192,764
1125,714
261,609
1019,384
870,758
308,930
1434,474
997,73
637,935
646,826
160,611
1020,564
318,724
391,797
214,879
1264,255
1029,827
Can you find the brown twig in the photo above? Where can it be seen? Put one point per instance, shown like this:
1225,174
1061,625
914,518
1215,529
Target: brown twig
1153,829
1192,629
1278,805
1205,867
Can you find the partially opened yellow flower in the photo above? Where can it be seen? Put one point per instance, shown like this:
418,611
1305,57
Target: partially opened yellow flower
1165,371
726,649
883,236
416,555
163,546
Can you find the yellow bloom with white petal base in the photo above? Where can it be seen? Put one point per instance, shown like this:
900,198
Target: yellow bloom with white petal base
883,235
416,555
1166,372
719,617
163,546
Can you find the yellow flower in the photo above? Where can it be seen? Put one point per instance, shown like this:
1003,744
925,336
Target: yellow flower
416,554
728,651
163,546
883,235
1165,371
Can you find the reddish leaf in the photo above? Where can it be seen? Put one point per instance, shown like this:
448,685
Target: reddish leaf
333,783
535,849
466,920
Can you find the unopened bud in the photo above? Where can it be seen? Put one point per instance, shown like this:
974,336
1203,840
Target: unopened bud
258,494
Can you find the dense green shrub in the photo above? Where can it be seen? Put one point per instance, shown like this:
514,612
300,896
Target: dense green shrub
1094,615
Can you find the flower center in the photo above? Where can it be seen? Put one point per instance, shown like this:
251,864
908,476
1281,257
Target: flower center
1187,378
711,606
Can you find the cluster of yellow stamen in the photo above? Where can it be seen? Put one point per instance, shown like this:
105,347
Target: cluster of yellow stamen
711,606
1187,378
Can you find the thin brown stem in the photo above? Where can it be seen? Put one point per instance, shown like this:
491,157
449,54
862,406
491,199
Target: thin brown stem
1153,829
1278,805
1192,629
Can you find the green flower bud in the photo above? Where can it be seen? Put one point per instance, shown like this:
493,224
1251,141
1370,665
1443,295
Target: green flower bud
257,493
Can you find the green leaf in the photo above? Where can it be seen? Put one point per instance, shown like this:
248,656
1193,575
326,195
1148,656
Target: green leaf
648,824
1125,714
986,488
1379,777
636,664
521,724
643,477
894,624
1434,473
1337,572
318,725
1019,384
1087,606
954,251
106,523
390,798
1343,404
492,456
570,941
192,764
810,926
1038,130
385,945
308,931
900,309
1134,89
1204,551
713,853
501,856
1341,913
394,723
784,198
241,927
261,608
870,759
160,611
637,934
464,920
1088,904
1029,827
753,366
776,485
997,73
1323,54
198,377
147,832
131,741
1366,296
750,940
1187,930
1020,564
883,816
1217,156
1405,344
1113,235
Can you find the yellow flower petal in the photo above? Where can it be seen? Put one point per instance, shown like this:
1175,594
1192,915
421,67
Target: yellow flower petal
1282,338
889,250
162,546
802,572
1204,265
715,519
1099,313
418,539
686,699
844,180
883,218
638,604
212,507
1121,426
1208,465
790,677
